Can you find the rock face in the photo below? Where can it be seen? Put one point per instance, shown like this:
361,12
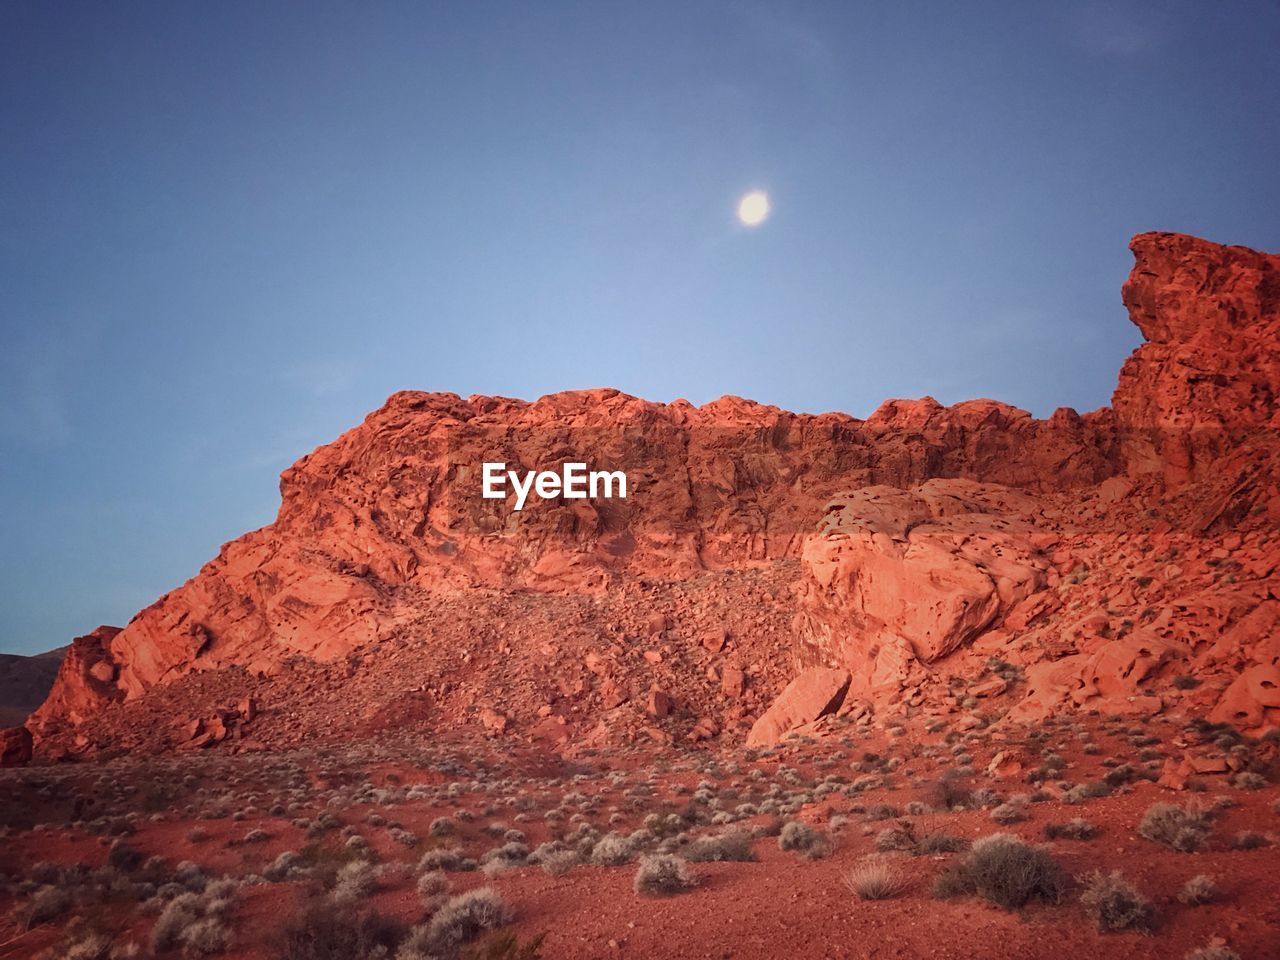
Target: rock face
1207,378
938,556
1100,601
85,681
902,578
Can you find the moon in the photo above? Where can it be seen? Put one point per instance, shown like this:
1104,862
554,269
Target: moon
753,208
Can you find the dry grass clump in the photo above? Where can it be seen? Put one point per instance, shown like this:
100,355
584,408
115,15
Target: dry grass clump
196,921
612,850
730,845
287,866
661,875
446,858
1114,903
1075,829
1211,951
903,837
1199,890
1248,840
325,933
1248,780
559,863
874,880
1011,812
932,843
47,904
87,944
355,881
443,827
463,918
1185,829
801,838
1005,871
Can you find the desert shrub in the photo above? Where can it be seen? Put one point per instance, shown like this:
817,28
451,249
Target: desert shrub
86,944
1248,840
323,933
443,827
1008,813
503,945
802,838
882,811
355,881
406,838
1075,829
985,797
124,856
257,836
179,914
1113,903
661,875
1211,951
951,793
732,845
206,936
1119,776
1178,828
467,916
446,858
1085,791
196,921
285,867
1248,780
661,825
433,883
560,862
873,880
191,876
939,843
611,850
507,855
48,903
1200,889
1005,871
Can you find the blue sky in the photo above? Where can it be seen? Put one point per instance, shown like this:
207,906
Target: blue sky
229,230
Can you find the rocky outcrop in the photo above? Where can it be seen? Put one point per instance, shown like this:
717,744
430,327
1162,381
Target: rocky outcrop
1208,376
393,508
86,680
943,557
901,578
910,589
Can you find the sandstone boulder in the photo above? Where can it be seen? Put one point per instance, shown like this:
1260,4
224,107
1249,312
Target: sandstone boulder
15,746
815,693
899,578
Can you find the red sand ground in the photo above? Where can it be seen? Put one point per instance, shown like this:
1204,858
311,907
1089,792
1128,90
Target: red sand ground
781,905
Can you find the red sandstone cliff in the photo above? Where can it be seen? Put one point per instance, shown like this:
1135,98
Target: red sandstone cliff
906,549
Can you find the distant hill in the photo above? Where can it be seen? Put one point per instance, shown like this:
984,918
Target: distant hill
25,682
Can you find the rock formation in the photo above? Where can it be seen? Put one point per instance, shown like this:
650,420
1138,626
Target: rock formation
942,556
